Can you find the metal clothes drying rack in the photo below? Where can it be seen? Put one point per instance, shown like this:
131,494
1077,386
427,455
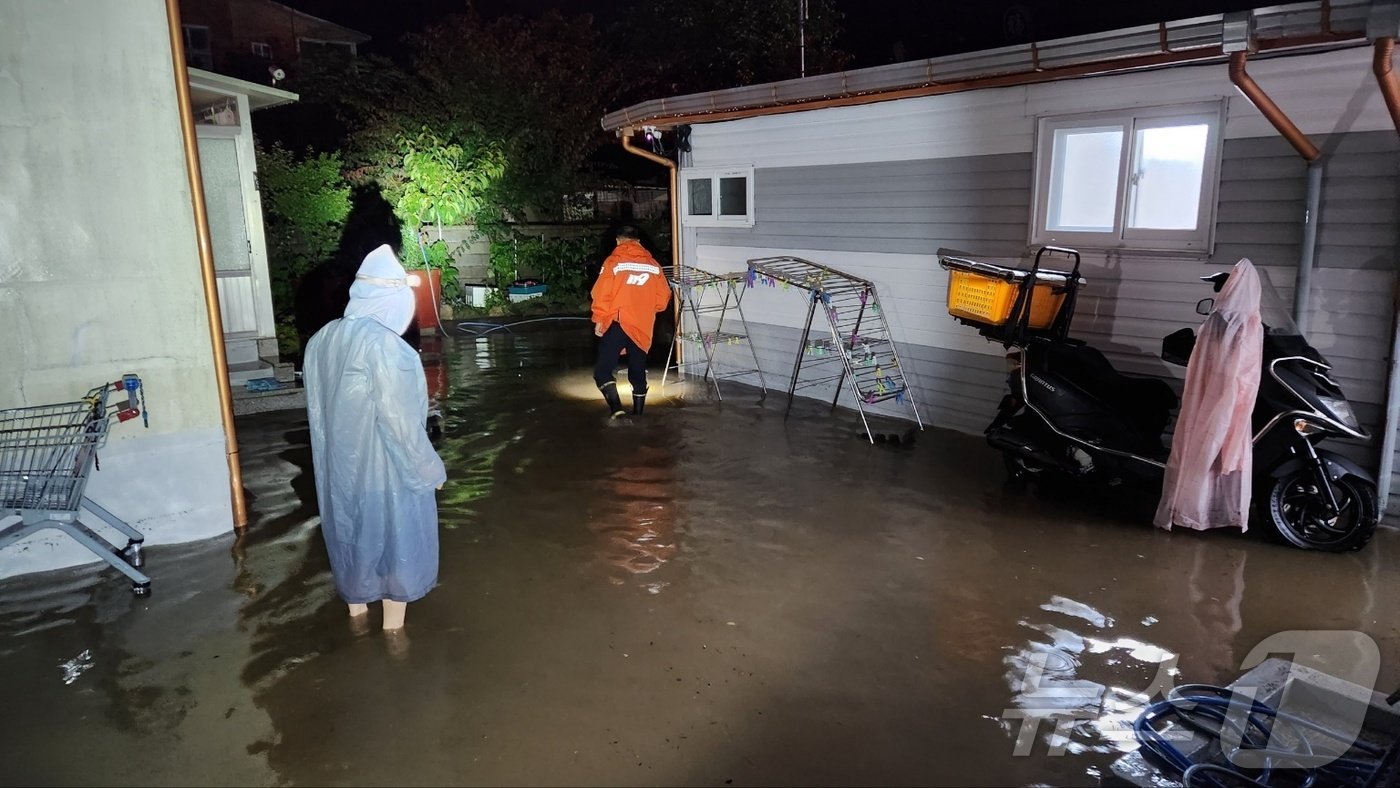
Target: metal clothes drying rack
691,287
860,336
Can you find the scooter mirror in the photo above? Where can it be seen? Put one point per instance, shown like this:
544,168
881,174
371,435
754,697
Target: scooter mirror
1204,306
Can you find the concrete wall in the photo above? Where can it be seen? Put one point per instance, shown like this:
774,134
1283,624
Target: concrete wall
98,267
875,190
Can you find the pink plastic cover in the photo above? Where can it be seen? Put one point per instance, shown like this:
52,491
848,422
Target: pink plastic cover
1208,476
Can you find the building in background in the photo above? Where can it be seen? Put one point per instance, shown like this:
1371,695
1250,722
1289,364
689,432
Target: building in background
255,39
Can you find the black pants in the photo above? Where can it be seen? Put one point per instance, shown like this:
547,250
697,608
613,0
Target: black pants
612,343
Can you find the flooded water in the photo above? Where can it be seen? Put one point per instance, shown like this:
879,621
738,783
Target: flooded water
712,595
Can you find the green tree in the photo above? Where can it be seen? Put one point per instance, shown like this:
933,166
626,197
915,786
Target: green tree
537,86
305,202
675,47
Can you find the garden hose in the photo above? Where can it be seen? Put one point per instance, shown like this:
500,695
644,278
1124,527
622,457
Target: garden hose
1210,710
507,326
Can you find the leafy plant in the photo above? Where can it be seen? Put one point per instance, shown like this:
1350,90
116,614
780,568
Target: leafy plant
417,252
305,202
445,182
561,262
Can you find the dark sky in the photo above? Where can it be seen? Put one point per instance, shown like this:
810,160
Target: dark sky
876,32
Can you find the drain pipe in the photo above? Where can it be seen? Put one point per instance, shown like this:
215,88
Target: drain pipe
1389,84
1241,79
626,136
206,262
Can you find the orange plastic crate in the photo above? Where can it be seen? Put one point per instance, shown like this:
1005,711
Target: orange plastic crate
988,299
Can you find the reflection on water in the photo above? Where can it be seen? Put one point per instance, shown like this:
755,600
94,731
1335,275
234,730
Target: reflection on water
1082,688
635,519
1053,686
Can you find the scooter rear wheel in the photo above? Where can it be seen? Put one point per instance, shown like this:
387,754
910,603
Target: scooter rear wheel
1298,513
1018,470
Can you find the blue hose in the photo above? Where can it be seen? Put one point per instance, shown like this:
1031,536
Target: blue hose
1195,704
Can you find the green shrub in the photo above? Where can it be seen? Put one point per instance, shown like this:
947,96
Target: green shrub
305,202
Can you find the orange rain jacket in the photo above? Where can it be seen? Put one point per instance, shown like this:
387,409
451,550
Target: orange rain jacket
630,290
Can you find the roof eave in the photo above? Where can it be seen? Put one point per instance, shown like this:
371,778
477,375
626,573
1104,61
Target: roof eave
259,96
1199,39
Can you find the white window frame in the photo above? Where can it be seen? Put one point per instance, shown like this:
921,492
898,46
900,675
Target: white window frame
1199,240
713,175
261,49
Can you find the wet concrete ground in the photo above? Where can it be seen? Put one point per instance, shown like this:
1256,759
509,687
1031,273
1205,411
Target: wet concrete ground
715,595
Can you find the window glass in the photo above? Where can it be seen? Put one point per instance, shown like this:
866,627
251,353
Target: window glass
733,196
1084,179
1165,183
701,201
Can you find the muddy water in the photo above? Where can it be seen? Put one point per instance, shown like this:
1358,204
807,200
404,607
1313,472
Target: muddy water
714,594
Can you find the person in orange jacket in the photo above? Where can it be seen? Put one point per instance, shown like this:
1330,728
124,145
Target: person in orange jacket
629,292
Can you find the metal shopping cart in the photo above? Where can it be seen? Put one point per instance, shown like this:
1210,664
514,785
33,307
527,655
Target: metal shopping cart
46,454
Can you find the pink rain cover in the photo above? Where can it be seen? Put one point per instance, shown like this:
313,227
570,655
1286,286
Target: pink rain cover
1209,473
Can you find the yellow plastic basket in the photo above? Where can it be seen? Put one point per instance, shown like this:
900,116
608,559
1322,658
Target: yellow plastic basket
988,296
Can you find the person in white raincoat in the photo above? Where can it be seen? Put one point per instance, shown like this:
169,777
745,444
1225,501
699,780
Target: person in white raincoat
1210,471
376,471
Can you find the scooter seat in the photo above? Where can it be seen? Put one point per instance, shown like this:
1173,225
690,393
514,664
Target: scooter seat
1145,403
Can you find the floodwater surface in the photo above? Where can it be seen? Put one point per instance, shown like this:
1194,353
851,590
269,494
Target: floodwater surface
715,594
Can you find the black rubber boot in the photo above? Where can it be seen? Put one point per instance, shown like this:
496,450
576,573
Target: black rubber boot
639,403
609,390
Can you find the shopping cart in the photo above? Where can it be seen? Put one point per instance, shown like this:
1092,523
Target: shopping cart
46,454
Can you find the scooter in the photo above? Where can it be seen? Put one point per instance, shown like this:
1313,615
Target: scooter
1068,412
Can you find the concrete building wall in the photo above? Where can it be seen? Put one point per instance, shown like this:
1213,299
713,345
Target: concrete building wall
99,273
875,190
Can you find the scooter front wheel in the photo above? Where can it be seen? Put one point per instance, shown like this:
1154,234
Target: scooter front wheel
1299,512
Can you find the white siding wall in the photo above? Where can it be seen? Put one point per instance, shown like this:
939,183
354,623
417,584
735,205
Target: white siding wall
875,190
1326,93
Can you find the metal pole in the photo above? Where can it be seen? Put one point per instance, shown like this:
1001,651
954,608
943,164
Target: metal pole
801,348
748,337
802,34
1303,286
205,249
855,332
1392,412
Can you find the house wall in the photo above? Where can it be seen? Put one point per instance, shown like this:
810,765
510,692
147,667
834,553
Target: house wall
875,190
99,273
235,24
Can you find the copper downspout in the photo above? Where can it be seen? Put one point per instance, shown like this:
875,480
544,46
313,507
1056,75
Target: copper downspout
206,261
1390,91
1256,95
626,136
675,202
1385,76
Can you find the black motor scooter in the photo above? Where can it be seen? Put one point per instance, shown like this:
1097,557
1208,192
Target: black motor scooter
1069,412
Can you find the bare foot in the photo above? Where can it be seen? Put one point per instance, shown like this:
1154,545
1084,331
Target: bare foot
394,613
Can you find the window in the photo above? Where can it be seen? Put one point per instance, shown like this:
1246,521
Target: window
718,197
311,45
262,49
1141,179
198,52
